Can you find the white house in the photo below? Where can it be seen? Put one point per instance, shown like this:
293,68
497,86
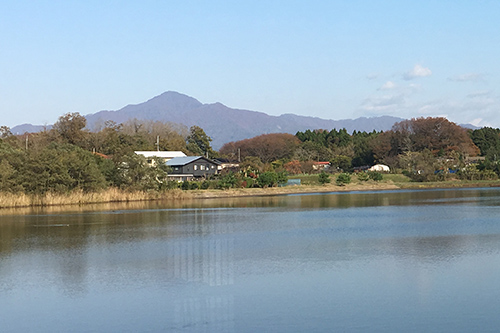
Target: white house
164,155
380,168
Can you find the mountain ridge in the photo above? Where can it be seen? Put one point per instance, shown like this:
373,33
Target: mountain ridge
222,123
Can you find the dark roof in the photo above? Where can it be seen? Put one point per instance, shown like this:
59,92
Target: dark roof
224,160
187,160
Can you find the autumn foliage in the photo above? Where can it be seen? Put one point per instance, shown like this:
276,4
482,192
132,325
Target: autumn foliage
268,147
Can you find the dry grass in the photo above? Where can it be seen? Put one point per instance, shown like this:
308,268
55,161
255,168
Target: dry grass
10,200
113,195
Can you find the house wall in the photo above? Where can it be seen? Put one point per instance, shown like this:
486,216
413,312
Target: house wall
198,168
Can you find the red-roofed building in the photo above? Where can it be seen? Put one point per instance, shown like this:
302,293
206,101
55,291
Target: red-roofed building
321,165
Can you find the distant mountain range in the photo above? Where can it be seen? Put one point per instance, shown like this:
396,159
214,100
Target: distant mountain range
221,123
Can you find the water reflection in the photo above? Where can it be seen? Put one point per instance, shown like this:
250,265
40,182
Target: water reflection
288,263
208,314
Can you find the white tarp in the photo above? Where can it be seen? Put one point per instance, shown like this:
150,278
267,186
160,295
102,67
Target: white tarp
380,168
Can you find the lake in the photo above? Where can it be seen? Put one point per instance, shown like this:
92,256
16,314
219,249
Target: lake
389,261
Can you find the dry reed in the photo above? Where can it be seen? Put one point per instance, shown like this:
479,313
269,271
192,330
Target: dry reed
12,200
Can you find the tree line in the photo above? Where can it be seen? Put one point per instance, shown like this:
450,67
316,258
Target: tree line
425,149
68,156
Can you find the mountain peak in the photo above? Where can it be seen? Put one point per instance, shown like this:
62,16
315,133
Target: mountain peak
175,99
224,124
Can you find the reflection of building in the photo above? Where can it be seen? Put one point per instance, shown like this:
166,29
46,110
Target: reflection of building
208,258
209,261
205,257
205,314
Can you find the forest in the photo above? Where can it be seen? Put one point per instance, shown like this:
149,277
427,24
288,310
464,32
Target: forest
68,157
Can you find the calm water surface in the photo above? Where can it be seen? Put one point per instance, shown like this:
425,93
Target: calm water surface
395,261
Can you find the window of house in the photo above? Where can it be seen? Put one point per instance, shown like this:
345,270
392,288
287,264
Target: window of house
202,167
176,168
195,167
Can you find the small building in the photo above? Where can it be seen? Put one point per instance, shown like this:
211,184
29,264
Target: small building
163,155
191,167
224,163
380,168
321,166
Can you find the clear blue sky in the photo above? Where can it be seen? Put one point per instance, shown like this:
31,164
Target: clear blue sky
330,59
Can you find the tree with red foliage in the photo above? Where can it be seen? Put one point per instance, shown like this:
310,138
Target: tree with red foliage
293,167
268,147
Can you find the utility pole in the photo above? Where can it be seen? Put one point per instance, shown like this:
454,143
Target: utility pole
27,141
239,155
157,143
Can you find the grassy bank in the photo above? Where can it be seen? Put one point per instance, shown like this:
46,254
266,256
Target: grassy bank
309,183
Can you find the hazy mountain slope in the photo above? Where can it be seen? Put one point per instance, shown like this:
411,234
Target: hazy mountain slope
28,128
225,124
220,122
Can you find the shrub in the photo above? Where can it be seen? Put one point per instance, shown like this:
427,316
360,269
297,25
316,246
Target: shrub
488,175
205,185
324,178
227,181
249,182
406,173
376,176
470,172
185,185
172,184
282,177
343,179
267,179
363,177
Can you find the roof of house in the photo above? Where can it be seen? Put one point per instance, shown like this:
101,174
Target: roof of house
161,154
186,160
182,160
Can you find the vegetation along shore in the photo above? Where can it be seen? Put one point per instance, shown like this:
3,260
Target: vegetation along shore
69,164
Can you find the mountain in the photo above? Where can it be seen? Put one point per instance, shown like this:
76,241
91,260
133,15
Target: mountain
28,128
221,123
224,124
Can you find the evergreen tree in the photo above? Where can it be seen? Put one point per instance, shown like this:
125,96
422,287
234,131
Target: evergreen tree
198,143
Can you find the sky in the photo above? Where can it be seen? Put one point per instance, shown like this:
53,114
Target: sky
328,59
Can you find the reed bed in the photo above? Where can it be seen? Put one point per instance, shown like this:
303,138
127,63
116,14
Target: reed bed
114,195
13,200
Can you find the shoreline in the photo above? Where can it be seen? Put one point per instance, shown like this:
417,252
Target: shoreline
304,189
114,196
